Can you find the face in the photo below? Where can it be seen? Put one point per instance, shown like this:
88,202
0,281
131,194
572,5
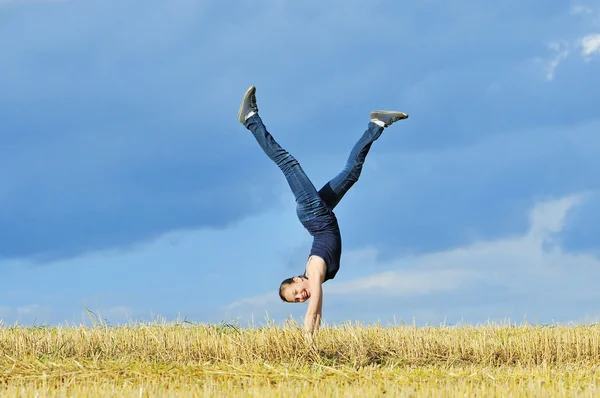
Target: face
297,292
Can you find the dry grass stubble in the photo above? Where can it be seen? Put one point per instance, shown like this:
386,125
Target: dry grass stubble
352,360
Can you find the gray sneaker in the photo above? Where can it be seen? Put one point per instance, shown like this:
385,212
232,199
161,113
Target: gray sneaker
388,117
248,104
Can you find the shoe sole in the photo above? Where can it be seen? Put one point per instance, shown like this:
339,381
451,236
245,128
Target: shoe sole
396,113
241,116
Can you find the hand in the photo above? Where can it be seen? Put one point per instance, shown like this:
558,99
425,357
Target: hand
309,336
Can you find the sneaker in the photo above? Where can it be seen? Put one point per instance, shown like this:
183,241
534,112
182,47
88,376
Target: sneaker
248,104
388,117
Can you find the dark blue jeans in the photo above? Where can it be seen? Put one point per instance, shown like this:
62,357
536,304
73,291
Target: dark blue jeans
310,203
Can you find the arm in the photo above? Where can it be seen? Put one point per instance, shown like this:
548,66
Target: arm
312,319
315,271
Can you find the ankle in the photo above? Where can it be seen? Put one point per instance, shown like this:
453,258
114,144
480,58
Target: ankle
378,122
249,115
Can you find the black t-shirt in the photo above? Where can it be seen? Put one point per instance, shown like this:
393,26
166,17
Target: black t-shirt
327,242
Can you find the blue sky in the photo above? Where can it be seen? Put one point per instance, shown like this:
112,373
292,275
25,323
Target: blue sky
129,186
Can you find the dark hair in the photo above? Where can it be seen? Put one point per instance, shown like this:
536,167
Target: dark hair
285,284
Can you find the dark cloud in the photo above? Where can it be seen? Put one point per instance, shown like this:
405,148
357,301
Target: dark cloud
119,120
437,200
110,142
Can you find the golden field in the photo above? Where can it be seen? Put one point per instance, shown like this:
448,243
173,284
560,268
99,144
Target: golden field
342,361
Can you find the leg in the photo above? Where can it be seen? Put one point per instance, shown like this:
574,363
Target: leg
309,203
335,189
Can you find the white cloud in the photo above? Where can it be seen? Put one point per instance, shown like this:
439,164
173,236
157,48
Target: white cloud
28,313
547,218
449,270
590,44
561,52
406,283
518,264
579,9
255,301
196,261
28,309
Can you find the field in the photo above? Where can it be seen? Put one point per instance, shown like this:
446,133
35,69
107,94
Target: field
351,360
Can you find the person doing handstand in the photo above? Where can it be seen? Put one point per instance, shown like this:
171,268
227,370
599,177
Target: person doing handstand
315,208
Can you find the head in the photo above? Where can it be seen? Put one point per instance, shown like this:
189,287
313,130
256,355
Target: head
294,290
